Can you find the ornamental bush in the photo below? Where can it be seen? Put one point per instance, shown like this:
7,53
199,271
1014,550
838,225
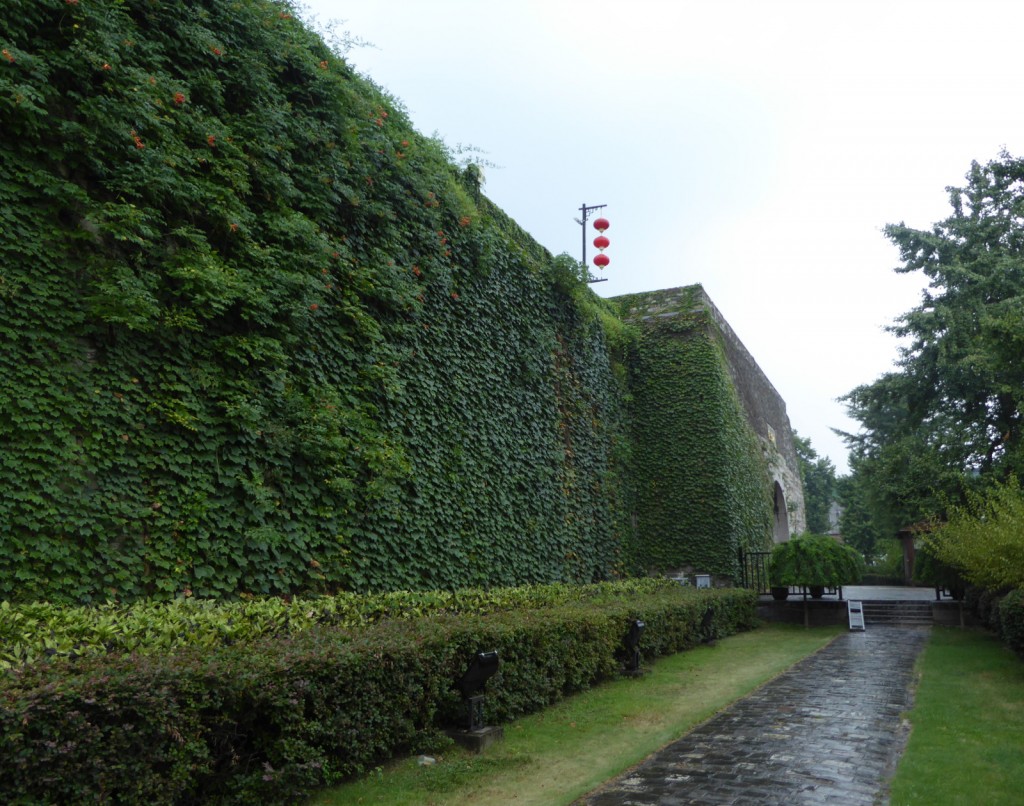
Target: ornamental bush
815,561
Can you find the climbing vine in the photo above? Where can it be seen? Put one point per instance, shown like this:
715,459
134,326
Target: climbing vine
702,489
258,336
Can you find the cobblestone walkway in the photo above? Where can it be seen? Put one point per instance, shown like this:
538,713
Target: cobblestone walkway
828,731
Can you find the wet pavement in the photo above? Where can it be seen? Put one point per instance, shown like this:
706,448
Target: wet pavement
827,731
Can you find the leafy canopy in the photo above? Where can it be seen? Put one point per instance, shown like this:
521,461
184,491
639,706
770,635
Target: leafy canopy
952,411
984,538
818,474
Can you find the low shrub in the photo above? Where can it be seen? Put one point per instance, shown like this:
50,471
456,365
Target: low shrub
929,569
276,718
987,608
1011,620
39,630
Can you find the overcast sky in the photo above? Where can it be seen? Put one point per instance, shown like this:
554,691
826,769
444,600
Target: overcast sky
756,148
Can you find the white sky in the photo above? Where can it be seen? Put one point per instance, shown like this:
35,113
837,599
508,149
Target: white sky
754,147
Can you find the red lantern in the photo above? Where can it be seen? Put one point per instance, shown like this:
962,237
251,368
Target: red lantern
601,261
601,224
601,242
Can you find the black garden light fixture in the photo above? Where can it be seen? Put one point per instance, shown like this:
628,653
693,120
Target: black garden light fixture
632,642
481,669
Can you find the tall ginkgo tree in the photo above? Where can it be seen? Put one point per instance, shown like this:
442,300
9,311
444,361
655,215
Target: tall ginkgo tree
952,412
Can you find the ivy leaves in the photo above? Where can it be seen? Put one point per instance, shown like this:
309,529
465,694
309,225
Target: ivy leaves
276,342
701,482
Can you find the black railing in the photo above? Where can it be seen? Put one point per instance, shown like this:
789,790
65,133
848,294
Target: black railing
754,570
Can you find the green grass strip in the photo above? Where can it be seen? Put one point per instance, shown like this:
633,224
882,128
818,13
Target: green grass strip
564,752
967,742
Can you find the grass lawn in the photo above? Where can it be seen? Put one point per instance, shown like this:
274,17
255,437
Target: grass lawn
560,754
967,742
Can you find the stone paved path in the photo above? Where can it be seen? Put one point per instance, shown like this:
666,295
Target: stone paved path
828,731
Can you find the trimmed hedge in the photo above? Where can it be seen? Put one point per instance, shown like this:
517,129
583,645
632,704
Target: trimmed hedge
30,632
1011,620
271,721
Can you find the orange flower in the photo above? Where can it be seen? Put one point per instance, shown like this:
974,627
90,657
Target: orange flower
211,141
137,139
7,55
234,227
216,51
464,221
323,64
314,307
454,295
179,98
106,66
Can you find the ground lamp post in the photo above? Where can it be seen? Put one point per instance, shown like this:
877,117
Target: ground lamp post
632,642
600,242
475,735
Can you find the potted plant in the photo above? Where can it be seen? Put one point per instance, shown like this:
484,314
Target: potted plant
815,561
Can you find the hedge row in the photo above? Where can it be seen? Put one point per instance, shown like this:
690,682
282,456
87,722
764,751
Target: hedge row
273,720
1002,612
30,632
1011,620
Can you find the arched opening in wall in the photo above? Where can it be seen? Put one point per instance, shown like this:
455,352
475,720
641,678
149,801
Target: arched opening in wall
780,529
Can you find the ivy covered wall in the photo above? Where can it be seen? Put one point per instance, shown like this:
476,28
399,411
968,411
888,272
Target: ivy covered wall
702,482
259,336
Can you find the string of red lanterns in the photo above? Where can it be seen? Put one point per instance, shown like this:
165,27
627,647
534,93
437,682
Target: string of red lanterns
601,242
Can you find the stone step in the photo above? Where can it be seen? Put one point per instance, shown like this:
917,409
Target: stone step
895,612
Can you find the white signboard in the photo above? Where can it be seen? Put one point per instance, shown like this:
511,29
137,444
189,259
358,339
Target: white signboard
856,610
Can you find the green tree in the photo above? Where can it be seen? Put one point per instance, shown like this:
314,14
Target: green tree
818,474
952,411
984,538
858,523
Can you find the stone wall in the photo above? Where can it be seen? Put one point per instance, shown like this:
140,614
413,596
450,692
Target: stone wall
764,407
